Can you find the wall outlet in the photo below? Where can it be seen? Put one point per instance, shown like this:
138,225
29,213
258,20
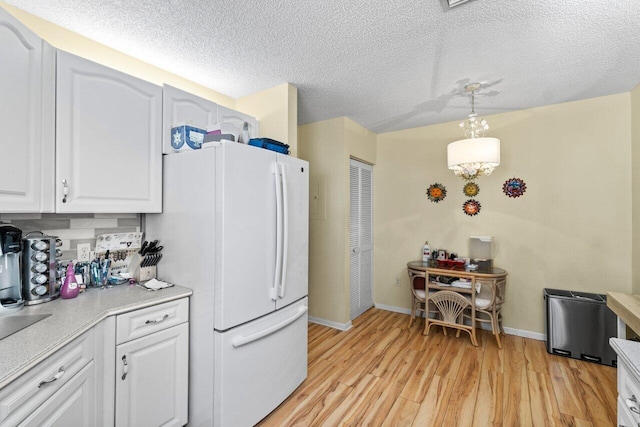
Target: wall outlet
397,281
84,252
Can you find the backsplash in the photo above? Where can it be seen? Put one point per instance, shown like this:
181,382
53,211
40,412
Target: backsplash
73,229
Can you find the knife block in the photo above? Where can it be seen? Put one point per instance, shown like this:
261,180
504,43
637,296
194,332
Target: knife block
141,274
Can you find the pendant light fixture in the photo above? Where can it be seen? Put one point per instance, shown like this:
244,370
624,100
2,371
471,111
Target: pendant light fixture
476,155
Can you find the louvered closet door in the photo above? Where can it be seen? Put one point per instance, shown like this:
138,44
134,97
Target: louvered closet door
361,233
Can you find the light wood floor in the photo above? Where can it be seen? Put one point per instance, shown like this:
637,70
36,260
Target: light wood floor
382,373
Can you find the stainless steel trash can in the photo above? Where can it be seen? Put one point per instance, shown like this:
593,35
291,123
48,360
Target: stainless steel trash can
579,325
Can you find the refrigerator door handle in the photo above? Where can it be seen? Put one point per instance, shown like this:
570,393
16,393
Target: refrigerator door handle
277,267
242,339
285,228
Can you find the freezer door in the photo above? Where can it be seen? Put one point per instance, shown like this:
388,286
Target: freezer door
246,235
258,365
295,230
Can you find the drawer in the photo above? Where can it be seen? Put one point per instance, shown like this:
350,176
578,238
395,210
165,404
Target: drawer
139,323
31,390
628,391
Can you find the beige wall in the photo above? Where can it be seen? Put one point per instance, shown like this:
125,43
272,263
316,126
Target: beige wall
570,230
276,108
277,111
328,145
635,186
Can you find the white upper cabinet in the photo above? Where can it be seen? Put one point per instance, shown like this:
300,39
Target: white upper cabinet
108,142
180,107
27,89
238,119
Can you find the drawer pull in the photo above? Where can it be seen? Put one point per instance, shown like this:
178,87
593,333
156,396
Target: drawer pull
632,404
57,376
125,367
165,317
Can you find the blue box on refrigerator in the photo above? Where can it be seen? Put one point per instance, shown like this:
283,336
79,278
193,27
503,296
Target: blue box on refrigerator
270,144
187,137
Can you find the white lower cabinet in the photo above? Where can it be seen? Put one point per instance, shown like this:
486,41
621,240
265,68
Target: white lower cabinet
63,387
152,366
72,405
152,379
628,395
128,370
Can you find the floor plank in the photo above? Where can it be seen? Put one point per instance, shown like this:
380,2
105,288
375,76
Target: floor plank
381,372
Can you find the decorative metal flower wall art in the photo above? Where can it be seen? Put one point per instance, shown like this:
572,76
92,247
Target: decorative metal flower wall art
471,207
514,187
471,189
436,192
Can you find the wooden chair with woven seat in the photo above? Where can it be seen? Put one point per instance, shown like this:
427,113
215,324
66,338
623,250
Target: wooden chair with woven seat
418,293
417,281
451,306
489,300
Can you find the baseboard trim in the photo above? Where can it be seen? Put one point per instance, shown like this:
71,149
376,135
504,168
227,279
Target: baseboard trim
392,308
511,331
526,334
330,324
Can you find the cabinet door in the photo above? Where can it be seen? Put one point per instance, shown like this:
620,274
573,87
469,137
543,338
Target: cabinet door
152,379
238,119
180,107
108,142
27,88
73,405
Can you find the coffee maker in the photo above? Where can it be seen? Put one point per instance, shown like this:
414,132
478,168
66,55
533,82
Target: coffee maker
10,281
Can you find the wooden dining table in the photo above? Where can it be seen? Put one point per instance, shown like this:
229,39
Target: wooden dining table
483,276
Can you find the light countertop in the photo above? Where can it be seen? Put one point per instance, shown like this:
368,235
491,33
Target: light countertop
626,307
629,351
69,319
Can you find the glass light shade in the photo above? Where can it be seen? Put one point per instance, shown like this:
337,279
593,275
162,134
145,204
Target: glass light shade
473,157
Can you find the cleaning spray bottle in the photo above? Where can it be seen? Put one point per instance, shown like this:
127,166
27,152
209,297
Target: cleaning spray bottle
69,288
426,252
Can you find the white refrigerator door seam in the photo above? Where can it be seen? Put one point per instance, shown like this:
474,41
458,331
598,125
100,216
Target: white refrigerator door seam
285,221
242,340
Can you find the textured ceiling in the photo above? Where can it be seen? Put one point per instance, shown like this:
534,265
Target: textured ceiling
386,64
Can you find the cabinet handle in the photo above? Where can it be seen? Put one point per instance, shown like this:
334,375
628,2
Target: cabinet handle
58,375
162,319
125,367
65,191
632,404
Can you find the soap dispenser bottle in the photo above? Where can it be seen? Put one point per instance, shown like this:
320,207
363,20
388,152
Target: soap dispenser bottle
69,288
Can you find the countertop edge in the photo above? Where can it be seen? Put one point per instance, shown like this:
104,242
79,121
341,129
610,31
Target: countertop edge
629,352
625,306
90,323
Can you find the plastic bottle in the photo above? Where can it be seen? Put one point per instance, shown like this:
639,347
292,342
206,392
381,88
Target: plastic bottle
426,252
69,288
245,133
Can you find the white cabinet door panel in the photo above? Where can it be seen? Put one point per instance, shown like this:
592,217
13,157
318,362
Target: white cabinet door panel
180,107
227,115
72,406
27,90
152,383
108,139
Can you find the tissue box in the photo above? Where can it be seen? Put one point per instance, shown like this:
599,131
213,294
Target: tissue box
186,137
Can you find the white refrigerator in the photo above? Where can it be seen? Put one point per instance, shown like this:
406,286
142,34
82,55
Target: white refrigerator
235,228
